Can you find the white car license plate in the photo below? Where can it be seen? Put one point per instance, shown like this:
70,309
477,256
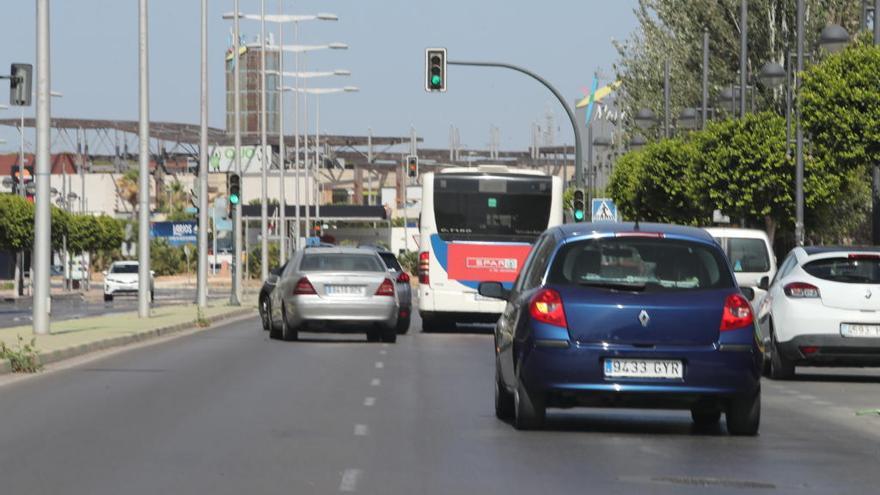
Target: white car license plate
859,330
643,368
344,290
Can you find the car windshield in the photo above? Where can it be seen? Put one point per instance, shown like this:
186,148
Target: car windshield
127,268
340,262
852,270
748,255
640,264
391,261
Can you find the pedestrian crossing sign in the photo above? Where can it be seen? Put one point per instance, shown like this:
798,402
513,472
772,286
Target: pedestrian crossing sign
604,210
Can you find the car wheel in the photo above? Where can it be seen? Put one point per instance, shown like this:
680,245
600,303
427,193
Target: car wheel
288,333
529,408
403,325
108,297
152,296
265,312
274,330
504,400
744,415
705,417
780,367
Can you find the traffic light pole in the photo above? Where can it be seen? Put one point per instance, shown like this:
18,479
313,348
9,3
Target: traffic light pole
235,293
143,167
578,149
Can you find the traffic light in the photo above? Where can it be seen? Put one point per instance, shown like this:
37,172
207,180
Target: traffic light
435,67
233,189
20,81
412,166
577,206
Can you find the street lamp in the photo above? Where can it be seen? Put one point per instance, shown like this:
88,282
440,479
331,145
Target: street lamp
645,118
687,119
637,142
772,74
833,38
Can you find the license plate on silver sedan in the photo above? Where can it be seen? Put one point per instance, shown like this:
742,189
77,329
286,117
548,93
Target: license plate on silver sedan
344,290
644,368
859,330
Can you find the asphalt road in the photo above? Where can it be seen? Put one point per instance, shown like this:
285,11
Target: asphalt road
13,314
230,412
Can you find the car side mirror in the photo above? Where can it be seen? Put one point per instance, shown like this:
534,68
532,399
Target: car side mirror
764,283
494,290
748,292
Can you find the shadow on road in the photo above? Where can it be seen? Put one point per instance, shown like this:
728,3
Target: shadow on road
463,329
628,422
835,378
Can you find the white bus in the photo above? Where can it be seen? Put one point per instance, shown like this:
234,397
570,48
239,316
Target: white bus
478,224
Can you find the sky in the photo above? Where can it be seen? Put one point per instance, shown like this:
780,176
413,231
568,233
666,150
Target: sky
94,61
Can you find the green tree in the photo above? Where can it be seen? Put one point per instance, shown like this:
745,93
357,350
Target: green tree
60,219
83,233
255,262
16,223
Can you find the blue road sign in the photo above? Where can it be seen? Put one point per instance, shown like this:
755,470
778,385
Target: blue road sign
604,210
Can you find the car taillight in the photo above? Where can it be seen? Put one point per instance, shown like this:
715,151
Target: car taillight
737,313
860,256
424,264
304,288
801,290
403,277
386,288
546,307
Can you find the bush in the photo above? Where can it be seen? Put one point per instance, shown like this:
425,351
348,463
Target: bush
255,262
409,260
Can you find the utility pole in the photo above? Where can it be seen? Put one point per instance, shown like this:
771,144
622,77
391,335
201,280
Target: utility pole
705,111
665,98
202,275
264,155
144,166
41,260
875,170
743,55
235,293
282,151
799,133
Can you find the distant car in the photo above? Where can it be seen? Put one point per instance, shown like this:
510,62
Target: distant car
750,255
618,315
404,289
823,309
336,290
122,279
264,300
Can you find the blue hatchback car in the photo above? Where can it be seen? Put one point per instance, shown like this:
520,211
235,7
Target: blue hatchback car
620,314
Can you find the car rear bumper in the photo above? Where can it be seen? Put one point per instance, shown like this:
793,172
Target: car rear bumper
574,375
832,350
305,309
794,319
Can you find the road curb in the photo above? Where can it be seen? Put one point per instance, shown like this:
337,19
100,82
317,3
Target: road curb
123,340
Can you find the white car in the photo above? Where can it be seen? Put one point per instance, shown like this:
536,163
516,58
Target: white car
122,278
750,255
823,309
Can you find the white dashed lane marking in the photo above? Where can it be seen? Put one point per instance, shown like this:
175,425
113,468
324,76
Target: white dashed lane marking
369,401
360,430
349,480
375,382
380,364
383,352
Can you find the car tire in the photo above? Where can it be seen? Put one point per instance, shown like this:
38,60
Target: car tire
152,296
288,333
744,415
705,417
274,330
403,325
780,367
265,311
389,335
504,400
108,297
529,408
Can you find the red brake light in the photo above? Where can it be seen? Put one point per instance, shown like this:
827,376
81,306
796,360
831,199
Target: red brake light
655,235
304,288
403,277
806,350
860,256
801,290
737,313
386,288
546,307
424,264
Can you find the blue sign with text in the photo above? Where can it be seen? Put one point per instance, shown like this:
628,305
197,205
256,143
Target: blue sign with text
176,233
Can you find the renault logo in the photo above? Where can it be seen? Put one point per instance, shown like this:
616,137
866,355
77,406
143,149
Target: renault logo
644,319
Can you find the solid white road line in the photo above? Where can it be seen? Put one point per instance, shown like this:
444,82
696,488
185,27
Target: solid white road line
349,480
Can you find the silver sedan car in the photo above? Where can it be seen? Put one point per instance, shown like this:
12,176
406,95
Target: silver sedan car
335,289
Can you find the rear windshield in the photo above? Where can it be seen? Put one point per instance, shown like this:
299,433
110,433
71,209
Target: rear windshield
390,261
846,270
124,269
340,262
748,255
641,264
501,208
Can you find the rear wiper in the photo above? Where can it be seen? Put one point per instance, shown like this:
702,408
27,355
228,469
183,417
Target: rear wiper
614,286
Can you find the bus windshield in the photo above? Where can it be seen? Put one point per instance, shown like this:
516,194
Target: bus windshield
483,207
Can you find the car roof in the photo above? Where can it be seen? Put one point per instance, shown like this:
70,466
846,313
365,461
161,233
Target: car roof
336,250
581,229
814,250
373,247
736,232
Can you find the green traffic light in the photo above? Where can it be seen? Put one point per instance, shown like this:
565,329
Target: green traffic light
436,80
233,198
579,214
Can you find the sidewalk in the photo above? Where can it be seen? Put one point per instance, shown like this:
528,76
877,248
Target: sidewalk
72,338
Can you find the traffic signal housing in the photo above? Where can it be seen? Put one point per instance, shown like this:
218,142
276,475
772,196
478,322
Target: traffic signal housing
20,84
578,206
435,68
412,166
233,189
